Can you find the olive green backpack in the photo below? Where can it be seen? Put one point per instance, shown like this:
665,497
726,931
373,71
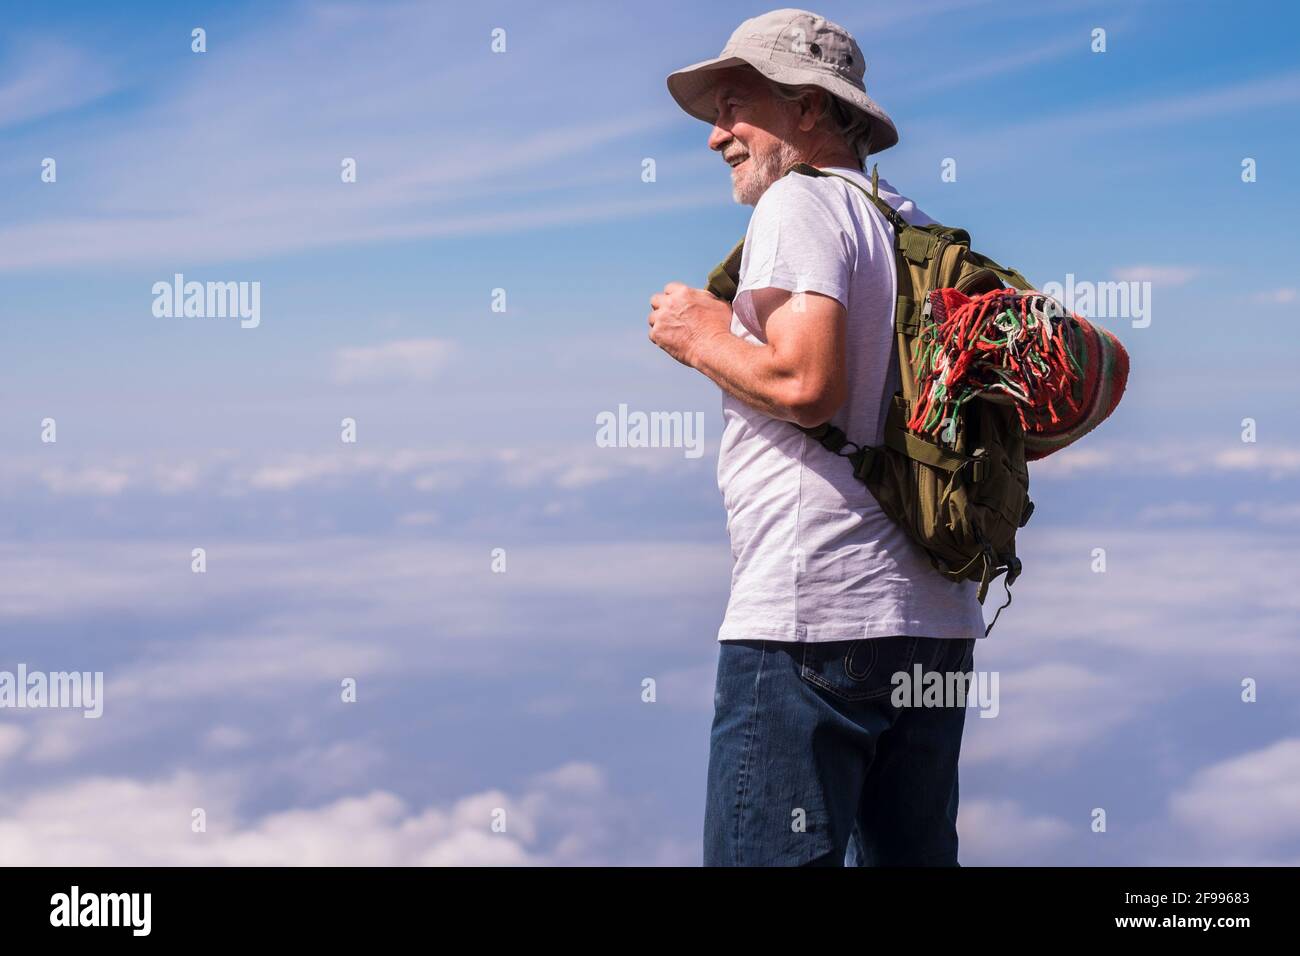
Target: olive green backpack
963,502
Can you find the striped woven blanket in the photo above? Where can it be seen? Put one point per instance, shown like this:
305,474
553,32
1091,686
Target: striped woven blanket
1064,374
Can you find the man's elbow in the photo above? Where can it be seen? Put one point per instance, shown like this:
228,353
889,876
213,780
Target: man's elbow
811,406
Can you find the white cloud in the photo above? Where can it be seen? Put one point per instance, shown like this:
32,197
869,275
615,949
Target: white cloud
343,607
1270,459
58,736
247,665
1269,512
1176,511
295,470
48,78
1072,461
408,360
1047,713
386,583
94,481
419,519
1190,597
1159,275
433,469
1004,833
12,738
1283,296
1249,803
566,816
225,737
173,478
1267,458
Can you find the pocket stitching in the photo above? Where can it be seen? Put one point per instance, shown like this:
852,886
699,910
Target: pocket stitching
812,677
848,656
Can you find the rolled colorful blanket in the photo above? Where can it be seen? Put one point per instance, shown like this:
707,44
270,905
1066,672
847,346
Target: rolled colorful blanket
1063,374
1105,364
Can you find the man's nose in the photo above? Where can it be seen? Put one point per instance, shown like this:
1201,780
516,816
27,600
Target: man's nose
718,138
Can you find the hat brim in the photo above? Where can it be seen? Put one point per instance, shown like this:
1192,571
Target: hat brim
693,89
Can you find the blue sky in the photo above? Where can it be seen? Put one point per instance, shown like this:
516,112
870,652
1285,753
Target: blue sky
476,429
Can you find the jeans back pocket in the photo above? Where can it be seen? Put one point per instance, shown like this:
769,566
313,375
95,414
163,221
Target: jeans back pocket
858,670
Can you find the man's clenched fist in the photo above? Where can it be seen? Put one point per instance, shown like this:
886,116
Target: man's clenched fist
681,318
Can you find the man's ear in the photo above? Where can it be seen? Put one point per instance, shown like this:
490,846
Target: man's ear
811,106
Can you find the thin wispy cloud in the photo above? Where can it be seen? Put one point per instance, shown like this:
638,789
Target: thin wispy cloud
45,77
984,66
1283,296
1247,96
264,129
408,360
1097,121
1230,454
1169,276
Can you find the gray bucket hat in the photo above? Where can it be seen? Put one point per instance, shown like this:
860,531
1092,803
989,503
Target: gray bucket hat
789,46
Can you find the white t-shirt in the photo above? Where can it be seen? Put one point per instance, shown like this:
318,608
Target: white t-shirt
815,557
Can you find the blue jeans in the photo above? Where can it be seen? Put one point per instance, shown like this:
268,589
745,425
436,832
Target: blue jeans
811,763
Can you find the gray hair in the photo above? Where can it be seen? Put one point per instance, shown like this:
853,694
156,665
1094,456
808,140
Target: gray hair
853,126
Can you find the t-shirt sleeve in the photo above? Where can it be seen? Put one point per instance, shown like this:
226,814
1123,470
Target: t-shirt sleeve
797,241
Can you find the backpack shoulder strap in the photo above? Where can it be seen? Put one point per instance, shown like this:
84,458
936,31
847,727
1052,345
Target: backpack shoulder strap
725,275
886,210
826,434
1010,276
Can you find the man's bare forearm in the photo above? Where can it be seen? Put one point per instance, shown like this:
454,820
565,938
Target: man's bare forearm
796,375
751,373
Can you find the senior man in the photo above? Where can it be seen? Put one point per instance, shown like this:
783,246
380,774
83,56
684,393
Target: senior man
810,762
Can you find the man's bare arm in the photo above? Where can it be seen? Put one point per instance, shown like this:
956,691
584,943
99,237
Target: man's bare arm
798,376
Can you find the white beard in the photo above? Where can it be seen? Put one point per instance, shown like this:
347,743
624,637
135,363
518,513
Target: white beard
761,172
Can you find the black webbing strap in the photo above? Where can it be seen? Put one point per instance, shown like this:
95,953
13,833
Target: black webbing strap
903,441
863,458
828,436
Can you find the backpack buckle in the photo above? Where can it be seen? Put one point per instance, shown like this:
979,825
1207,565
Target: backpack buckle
975,469
864,463
829,437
